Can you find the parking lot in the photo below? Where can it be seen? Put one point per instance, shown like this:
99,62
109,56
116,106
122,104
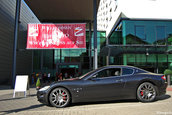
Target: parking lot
30,106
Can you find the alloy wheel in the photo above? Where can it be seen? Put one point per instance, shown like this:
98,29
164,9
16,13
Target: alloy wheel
59,97
146,92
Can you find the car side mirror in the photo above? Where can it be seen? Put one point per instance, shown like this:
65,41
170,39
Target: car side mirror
93,79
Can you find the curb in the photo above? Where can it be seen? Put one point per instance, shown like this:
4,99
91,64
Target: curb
169,88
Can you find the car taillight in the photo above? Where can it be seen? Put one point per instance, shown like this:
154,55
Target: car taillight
163,77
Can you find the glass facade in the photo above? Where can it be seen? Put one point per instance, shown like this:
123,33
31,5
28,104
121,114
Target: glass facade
138,43
71,61
144,43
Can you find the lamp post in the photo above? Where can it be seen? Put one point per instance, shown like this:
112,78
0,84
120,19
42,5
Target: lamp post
147,54
95,33
16,27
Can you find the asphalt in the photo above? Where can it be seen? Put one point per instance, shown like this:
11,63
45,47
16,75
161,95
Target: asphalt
30,106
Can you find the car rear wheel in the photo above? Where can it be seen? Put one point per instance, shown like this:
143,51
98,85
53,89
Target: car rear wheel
59,97
146,92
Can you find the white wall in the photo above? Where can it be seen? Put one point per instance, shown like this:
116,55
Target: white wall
135,9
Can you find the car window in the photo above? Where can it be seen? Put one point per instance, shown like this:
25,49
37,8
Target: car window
127,71
108,72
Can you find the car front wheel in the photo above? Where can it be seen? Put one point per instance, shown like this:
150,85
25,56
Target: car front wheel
146,92
59,97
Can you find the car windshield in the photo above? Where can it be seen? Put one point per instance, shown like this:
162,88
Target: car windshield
86,74
89,73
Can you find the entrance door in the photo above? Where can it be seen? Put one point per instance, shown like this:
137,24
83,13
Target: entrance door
68,70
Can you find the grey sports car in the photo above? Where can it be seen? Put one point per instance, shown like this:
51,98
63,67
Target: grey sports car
105,83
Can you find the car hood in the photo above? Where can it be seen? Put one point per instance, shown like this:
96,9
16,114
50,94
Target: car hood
66,81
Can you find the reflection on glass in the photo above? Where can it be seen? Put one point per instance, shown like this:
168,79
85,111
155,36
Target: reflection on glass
116,38
78,59
160,35
142,32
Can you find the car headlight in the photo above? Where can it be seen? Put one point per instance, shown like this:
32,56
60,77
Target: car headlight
44,88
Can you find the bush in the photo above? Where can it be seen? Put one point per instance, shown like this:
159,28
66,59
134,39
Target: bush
167,72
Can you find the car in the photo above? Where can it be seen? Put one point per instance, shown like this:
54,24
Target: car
104,84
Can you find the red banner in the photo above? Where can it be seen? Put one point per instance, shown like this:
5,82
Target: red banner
52,36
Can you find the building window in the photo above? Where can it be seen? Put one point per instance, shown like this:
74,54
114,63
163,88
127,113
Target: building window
160,35
110,10
116,38
140,33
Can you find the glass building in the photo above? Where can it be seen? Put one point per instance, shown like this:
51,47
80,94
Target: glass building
71,61
142,43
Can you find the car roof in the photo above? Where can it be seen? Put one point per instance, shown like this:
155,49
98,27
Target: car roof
121,66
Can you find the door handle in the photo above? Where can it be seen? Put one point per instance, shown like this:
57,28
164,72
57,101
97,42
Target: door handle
119,80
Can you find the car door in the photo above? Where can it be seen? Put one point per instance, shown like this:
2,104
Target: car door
104,84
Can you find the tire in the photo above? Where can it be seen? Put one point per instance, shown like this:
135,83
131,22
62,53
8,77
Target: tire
146,92
59,97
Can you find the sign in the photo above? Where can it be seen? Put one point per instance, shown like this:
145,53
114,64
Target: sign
21,84
52,36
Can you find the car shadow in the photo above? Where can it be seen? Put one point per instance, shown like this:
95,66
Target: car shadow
23,109
163,97
16,98
104,102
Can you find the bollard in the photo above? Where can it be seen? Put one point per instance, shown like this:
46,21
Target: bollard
168,79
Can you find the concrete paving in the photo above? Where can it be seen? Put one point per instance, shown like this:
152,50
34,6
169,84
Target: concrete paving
30,106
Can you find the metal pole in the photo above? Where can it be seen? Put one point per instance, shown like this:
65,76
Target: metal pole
108,57
157,63
53,62
16,27
90,47
95,33
42,60
32,60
